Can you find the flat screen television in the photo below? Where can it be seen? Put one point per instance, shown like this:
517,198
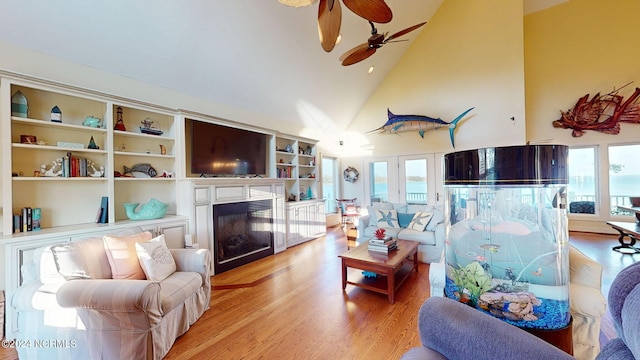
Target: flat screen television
219,150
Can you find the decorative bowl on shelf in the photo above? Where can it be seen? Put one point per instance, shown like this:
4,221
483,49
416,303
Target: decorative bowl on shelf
154,209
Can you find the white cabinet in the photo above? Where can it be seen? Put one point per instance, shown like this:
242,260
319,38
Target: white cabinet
305,221
174,233
280,221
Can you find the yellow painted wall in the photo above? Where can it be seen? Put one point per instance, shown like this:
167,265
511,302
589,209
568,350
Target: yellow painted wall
577,48
470,54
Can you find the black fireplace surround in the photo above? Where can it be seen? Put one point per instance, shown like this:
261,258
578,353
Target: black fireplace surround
242,233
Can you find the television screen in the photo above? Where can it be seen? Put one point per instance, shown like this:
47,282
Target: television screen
222,150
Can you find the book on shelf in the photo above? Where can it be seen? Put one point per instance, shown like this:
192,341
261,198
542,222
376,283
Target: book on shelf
103,212
28,220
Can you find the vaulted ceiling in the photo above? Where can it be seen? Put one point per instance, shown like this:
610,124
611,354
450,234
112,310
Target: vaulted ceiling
257,55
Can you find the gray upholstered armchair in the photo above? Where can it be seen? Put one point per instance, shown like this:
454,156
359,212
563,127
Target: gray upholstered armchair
451,330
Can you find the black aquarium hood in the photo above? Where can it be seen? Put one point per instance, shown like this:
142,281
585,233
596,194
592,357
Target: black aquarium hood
509,165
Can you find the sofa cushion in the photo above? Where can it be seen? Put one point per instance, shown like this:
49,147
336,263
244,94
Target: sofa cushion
423,237
404,219
420,221
155,258
386,218
82,260
177,287
121,252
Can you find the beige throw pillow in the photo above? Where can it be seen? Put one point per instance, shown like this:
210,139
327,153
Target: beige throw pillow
121,252
82,260
420,220
155,258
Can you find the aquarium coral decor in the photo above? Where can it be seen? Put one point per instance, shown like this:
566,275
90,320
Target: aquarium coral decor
506,249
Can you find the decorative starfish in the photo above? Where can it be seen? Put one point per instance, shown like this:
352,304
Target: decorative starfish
386,218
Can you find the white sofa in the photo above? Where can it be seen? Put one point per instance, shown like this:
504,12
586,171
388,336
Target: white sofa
586,300
431,239
69,302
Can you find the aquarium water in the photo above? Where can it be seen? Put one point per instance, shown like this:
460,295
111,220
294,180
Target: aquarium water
506,247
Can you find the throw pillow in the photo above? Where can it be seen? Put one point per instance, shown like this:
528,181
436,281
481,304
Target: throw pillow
82,260
155,258
420,220
387,218
404,219
438,217
121,252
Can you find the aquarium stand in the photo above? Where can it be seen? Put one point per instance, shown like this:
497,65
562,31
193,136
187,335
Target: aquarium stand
560,338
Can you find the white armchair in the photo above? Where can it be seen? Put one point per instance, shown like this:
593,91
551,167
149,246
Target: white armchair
97,317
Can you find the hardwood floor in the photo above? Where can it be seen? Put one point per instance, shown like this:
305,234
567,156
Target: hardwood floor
291,306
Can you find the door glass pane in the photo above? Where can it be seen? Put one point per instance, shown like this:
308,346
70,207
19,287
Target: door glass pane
379,183
329,184
415,178
624,175
582,180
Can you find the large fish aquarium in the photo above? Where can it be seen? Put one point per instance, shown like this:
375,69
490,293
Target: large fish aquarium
506,233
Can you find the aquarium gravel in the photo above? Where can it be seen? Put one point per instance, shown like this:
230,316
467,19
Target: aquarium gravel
552,314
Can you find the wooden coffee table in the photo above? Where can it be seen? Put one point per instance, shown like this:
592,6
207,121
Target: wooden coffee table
392,269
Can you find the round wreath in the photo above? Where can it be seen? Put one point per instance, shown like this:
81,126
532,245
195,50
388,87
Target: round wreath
350,174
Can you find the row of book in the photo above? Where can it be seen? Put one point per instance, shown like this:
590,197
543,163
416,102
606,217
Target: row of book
383,246
73,166
285,173
28,220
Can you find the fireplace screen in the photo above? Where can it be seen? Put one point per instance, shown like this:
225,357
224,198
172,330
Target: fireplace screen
243,232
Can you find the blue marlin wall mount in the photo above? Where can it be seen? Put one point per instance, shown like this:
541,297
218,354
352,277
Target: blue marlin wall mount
404,123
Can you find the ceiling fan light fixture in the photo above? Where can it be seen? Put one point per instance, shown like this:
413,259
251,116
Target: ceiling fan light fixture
297,3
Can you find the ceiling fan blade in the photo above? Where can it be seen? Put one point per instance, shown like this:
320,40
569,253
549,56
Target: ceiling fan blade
373,10
357,48
402,32
357,54
329,19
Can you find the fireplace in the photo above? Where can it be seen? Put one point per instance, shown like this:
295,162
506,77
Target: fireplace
242,233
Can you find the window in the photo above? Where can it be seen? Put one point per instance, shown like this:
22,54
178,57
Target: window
624,175
379,181
330,181
415,181
582,180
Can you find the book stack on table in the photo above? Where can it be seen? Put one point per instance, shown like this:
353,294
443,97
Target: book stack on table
383,246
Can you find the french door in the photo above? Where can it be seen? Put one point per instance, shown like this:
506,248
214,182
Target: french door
414,179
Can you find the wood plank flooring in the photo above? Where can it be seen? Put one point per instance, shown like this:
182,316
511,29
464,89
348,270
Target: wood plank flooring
291,306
